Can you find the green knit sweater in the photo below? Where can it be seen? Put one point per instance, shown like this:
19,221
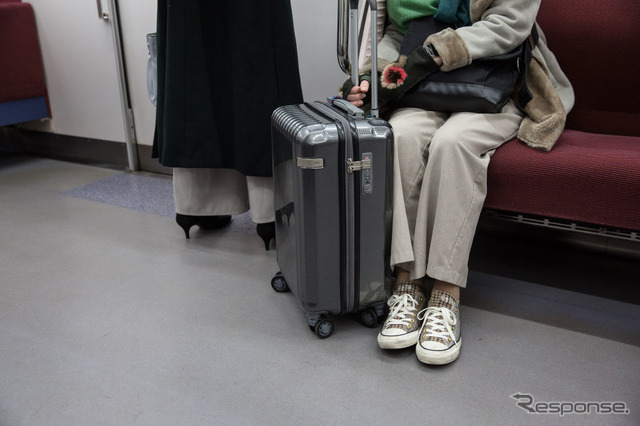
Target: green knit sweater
402,12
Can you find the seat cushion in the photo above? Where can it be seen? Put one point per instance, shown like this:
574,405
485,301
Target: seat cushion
587,177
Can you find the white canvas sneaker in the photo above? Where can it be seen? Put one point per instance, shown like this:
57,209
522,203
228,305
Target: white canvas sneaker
439,340
401,328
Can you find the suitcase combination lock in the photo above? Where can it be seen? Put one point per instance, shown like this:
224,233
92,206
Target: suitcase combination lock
365,167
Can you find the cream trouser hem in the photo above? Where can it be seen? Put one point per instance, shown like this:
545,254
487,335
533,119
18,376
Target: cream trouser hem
217,192
440,184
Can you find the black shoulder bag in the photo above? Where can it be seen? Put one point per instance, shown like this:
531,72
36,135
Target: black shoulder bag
484,86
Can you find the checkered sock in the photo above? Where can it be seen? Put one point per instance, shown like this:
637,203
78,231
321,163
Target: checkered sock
412,288
442,299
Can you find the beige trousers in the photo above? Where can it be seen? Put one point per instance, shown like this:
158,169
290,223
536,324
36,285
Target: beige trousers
217,192
440,184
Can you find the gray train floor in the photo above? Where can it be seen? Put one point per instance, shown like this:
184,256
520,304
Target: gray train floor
108,315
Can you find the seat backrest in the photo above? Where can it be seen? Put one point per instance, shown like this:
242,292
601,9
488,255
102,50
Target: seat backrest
21,69
597,45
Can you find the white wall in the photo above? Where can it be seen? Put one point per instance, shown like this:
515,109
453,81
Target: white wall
315,24
81,71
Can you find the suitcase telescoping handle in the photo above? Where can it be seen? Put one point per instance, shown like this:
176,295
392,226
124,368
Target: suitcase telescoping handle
348,46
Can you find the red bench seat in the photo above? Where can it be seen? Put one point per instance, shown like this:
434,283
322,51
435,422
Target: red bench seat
592,175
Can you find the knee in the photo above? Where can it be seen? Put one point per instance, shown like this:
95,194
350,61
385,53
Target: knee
412,134
408,149
448,142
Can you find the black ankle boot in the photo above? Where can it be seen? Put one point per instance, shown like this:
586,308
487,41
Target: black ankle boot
266,231
205,222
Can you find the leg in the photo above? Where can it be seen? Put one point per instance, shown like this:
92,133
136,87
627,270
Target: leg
452,289
453,191
437,203
451,199
261,200
209,192
260,190
207,197
413,130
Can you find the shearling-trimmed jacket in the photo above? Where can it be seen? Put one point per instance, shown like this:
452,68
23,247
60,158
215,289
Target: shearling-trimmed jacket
497,27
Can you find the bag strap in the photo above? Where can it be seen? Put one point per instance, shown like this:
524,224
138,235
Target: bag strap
363,24
524,95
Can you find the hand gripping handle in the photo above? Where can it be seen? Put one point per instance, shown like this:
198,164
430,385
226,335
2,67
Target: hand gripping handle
348,44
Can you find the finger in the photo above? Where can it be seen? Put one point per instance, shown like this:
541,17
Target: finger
354,90
364,86
355,98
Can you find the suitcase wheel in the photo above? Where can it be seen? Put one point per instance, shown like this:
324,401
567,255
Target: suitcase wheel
369,318
323,327
279,284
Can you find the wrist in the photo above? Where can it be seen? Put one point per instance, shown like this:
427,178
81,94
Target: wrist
431,50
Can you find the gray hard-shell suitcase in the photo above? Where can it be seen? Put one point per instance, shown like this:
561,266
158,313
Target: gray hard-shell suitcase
332,170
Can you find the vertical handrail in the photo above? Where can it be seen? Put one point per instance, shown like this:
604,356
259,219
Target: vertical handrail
343,36
348,45
101,13
353,41
127,112
374,57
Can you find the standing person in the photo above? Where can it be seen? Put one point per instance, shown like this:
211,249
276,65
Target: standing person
223,67
441,161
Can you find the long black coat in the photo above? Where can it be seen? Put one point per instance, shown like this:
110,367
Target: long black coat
223,67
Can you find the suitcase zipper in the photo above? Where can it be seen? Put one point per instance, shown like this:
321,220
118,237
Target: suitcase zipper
351,286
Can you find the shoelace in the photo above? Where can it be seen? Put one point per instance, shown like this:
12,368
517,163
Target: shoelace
438,323
402,307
